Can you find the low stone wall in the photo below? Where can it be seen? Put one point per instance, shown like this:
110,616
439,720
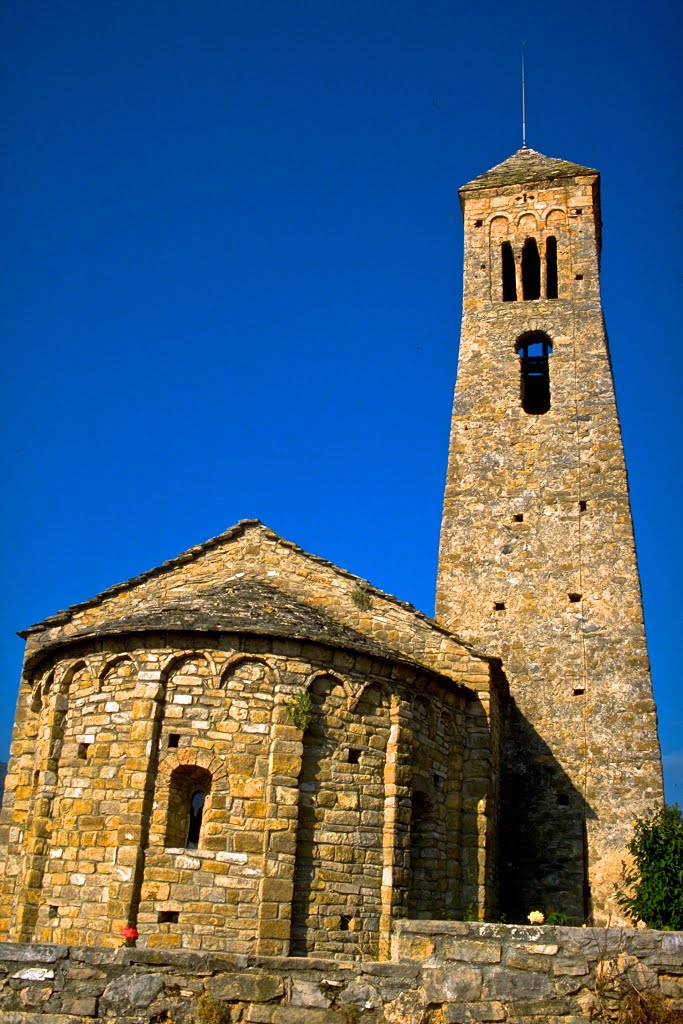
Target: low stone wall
442,973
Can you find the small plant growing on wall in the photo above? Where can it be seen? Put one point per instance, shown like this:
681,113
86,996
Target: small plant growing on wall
471,911
300,710
361,598
557,917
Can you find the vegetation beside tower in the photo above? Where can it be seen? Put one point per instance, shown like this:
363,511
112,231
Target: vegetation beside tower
652,887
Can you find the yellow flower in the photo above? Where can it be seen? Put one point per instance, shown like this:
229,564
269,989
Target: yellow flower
536,917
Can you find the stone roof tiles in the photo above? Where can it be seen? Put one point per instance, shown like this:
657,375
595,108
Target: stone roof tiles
236,606
526,166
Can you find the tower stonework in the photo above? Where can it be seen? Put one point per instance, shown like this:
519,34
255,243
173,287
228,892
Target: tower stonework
537,561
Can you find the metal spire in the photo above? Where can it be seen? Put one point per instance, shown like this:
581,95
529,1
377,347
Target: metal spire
524,145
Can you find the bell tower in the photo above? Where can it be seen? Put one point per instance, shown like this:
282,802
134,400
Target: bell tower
537,561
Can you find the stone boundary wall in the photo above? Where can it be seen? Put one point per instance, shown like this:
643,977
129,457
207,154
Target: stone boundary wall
442,973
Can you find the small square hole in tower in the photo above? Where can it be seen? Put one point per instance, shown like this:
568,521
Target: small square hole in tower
574,598
52,911
499,606
579,277
578,691
345,922
168,916
478,223
518,518
583,506
82,752
353,756
174,739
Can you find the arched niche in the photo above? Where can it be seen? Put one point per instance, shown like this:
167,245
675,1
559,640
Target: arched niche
188,805
339,855
118,674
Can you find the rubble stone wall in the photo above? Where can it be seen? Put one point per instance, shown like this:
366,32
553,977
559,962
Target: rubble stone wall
537,525
442,974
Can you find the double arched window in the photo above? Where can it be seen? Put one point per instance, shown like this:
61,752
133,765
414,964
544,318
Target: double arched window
531,270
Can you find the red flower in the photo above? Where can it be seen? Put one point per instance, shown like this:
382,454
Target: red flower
129,933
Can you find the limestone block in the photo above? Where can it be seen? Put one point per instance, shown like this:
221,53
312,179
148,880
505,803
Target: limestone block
133,993
471,951
308,993
461,984
35,974
462,1013
253,988
510,985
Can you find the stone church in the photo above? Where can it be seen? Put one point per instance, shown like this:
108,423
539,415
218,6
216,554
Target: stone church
250,749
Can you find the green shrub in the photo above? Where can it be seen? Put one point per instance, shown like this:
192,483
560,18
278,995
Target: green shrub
652,890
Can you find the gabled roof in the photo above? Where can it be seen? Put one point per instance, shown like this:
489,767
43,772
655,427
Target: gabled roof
526,166
244,581
191,555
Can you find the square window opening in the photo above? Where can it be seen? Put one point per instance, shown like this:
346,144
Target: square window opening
168,916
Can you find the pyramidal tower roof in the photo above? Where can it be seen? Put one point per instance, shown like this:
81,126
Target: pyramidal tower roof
524,166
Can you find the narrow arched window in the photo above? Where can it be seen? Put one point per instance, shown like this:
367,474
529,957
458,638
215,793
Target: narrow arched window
189,787
196,813
551,267
531,270
534,350
422,897
509,282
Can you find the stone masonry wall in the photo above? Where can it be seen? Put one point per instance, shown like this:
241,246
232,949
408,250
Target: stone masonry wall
442,974
318,836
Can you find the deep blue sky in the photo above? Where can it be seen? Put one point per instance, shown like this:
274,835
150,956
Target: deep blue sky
231,277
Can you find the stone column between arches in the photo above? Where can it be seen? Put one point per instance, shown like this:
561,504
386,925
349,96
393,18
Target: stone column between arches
279,835
51,707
